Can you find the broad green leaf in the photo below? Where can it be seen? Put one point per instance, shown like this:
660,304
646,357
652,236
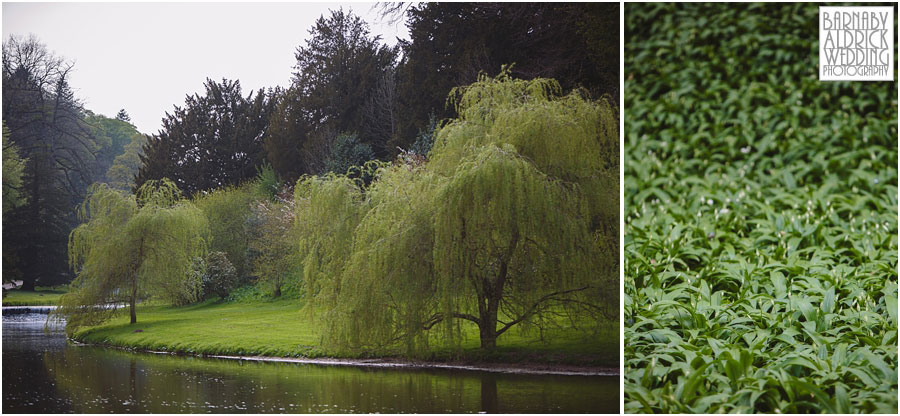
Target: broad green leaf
828,301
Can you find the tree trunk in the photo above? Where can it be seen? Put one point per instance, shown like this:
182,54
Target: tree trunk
488,335
133,300
31,258
489,307
488,323
134,281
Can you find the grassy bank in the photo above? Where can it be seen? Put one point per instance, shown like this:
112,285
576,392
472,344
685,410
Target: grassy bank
40,297
280,329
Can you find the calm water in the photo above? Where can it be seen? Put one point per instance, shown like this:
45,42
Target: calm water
44,374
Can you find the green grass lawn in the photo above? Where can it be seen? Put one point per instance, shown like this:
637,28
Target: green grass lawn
281,329
40,297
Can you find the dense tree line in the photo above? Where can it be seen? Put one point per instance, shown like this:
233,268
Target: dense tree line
121,174
510,222
348,84
61,147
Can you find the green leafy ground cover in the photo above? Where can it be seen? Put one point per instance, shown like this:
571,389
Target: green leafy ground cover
280,329
761,218
42,296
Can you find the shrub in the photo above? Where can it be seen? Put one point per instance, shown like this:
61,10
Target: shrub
425,138
248,293
227,210
267,183
347,151
219,275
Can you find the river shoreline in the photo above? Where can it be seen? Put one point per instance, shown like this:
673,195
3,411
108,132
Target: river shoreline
516,368
228,325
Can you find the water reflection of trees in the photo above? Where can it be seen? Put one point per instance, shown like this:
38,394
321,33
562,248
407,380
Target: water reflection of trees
98,380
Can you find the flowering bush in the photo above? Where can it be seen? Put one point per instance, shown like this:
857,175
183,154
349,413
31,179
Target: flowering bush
219,275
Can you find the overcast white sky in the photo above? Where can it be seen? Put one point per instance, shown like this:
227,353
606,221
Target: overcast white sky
145,57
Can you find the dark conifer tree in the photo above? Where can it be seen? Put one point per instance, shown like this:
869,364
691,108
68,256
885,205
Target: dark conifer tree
338,75
289,127
214,140
122,115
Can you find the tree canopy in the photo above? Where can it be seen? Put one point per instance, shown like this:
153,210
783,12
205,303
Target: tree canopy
289,129
126,165
122,115
213,141
339,70
273,243
118,138
346,152
327,209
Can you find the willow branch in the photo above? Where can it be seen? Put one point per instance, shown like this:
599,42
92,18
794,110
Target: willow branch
533,308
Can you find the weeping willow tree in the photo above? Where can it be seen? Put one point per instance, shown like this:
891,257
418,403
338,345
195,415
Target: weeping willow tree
511,222
510,237
132,246
387,283
528,220
326,212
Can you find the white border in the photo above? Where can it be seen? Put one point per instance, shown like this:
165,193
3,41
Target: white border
622,207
